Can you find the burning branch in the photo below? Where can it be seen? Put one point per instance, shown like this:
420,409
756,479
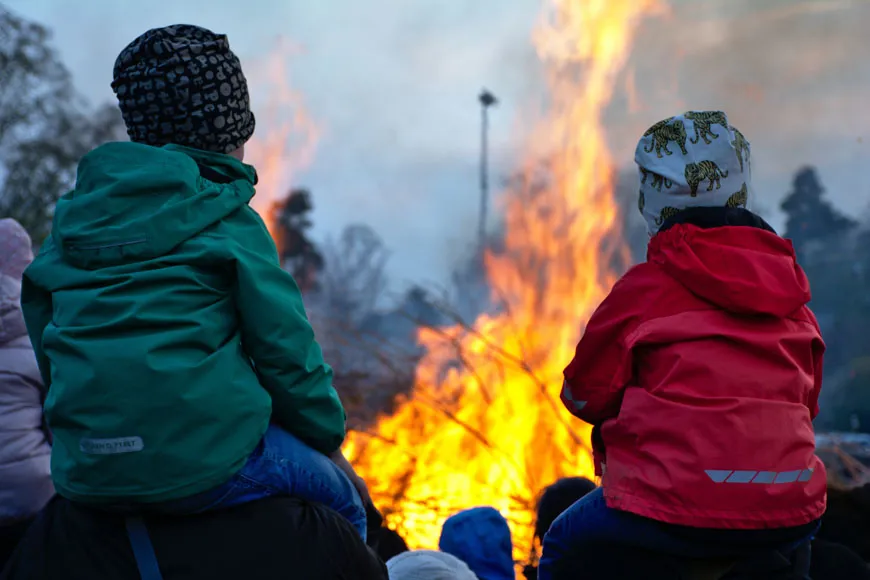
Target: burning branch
500,355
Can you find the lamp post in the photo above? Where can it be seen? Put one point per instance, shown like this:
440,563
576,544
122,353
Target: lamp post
487,100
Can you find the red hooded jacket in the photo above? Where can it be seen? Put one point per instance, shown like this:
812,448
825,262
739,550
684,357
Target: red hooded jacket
702,369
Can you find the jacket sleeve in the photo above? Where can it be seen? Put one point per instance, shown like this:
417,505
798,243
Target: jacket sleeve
818,353
818,367
602,364
17,382
279,339
36,306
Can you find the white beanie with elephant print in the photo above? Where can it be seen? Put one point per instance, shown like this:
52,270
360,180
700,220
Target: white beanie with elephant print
696,159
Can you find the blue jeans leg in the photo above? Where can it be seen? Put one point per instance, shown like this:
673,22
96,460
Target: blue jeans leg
589,520
282,465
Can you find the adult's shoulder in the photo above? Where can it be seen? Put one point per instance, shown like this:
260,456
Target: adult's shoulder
832,560
269,539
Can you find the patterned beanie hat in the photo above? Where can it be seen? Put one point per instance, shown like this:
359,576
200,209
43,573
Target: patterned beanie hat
182,84
691,160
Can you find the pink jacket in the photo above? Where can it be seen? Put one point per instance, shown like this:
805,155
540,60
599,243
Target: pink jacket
25,451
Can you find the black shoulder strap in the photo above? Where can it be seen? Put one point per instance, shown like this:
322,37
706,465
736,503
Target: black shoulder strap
802,559
143,551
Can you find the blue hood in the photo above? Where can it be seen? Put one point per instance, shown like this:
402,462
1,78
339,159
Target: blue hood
481,538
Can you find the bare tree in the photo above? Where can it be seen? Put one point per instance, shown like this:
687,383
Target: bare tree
353,280
299,255
34,84
42,168
45,126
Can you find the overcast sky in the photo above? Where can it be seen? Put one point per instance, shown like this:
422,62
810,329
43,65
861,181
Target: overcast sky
392,87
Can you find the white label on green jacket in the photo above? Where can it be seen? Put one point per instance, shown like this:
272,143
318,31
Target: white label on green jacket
111,446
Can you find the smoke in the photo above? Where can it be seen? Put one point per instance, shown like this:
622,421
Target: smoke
393,87
796,95
401,143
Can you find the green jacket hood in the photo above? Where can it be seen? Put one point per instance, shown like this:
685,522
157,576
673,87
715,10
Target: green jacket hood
134,202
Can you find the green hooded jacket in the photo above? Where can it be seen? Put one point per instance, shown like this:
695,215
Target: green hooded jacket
166,331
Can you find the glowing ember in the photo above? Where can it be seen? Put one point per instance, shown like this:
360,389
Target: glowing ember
490,431
286,136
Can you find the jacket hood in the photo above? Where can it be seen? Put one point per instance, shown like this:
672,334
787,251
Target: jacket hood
481,538
16,253
134,202
744,269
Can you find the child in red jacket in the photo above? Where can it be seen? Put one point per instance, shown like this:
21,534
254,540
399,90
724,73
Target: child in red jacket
701,371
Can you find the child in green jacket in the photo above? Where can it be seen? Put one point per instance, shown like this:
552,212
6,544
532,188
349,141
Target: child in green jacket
182,372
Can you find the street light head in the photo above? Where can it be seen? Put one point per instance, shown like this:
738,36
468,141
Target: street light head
487,99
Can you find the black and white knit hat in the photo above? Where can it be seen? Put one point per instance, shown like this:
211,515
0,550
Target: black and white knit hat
182,84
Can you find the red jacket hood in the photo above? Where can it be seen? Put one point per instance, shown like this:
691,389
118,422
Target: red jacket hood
740,269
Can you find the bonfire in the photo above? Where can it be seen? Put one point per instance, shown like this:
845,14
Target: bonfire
483,424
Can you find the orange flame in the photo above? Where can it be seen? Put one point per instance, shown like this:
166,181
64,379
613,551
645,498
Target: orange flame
490,430
286,136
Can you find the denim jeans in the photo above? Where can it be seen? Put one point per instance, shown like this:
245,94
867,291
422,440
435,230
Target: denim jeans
590,520
281,465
